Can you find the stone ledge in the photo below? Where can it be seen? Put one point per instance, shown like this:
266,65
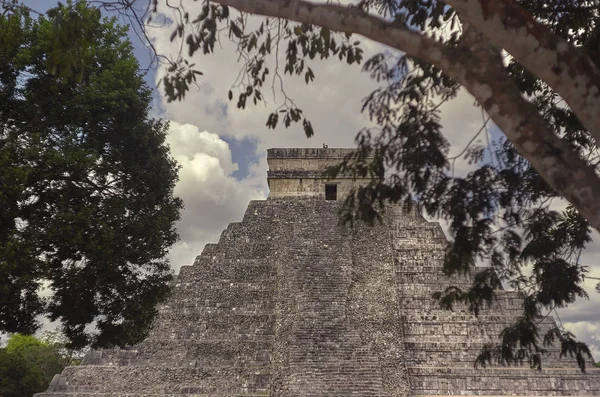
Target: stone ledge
469,371
315,153
307,174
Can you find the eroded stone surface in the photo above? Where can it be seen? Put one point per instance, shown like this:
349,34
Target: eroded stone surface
290,303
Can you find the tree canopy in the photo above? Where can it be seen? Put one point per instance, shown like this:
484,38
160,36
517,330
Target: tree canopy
86,195
28,364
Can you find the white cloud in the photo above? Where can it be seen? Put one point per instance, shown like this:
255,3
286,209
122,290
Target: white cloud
187,143
211,195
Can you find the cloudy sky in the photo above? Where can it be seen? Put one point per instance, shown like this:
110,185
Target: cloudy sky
222,150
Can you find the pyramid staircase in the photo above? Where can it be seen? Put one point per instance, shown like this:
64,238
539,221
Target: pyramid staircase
290,303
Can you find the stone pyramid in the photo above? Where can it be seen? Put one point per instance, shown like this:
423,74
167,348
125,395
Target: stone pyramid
290,303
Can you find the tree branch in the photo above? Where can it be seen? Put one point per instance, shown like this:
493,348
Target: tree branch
566,69
558,164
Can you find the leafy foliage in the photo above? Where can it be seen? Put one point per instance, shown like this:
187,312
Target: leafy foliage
27,365
304,43
87,181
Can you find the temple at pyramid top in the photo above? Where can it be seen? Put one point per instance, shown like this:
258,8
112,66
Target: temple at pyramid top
300,173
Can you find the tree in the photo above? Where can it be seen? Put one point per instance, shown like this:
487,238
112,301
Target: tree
28,364
533,68
87,201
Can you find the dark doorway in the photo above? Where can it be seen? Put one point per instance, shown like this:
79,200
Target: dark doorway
331,192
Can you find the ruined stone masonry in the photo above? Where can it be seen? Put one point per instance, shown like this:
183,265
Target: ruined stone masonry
290,303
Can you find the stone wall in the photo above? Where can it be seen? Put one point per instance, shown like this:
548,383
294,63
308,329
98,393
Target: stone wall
299,173
291,303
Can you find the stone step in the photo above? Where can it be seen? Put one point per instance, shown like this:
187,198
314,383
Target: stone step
216,323
249,239
200,313
478,328
198,309
204,336
227,333
217,315
195,353
222,293
441,315
410,277
96,394
162,380
447,323
232,270
423,301
210,250
259,210
239,248
429,289
488,333
454,356
341,380
495,381
417,257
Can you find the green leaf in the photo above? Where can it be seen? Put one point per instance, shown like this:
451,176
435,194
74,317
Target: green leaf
308,129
